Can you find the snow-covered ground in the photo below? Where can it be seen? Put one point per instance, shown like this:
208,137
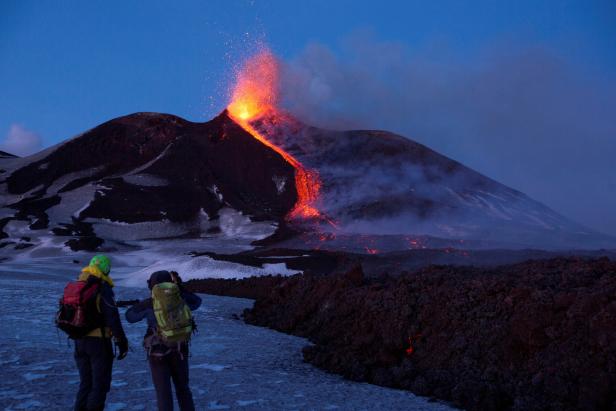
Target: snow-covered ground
134,261
233,365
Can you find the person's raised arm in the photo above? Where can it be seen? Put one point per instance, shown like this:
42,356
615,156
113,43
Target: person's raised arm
192,300
138,311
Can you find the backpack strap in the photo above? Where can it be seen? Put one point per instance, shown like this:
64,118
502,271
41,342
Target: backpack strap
91,282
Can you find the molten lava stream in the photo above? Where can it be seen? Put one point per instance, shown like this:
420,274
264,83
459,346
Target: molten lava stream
255,94
307,182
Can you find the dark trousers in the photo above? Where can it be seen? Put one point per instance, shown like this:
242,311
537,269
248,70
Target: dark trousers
94,357
173,366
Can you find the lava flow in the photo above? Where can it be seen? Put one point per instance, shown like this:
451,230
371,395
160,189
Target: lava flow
255,95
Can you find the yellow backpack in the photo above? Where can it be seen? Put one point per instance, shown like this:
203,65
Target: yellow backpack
173,316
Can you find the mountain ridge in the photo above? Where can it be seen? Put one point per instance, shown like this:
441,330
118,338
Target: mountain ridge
159,168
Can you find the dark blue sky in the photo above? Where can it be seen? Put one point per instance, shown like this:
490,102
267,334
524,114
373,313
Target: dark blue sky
67,66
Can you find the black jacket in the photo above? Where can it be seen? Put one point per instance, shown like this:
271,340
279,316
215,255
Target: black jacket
145,309
109,310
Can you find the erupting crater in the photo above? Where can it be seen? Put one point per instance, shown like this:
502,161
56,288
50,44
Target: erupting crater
254,96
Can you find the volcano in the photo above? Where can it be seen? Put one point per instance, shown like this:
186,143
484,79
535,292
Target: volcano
4,154
150,175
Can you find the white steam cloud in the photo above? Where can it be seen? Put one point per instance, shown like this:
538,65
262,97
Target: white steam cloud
20,141
525,117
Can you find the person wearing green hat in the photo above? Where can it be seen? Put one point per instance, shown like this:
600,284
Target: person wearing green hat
94,352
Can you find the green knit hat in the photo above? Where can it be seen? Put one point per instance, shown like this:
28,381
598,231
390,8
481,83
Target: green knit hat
102,262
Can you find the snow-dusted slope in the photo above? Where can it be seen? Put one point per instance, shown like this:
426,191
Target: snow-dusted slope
146,176
376,182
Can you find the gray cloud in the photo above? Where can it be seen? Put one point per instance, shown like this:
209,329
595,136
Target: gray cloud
20,141
525,117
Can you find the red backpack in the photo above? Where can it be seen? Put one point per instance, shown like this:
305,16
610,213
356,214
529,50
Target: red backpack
78,313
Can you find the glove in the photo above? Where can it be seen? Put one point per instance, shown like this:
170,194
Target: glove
175,277
143,305
122,348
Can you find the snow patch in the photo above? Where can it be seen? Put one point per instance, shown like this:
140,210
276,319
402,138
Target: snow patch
234,224
31,376
215,405
245,403
210,367
26,405
72,203
6,212
216,192
145,166
123,231
280,182
145,180
201,267
70,177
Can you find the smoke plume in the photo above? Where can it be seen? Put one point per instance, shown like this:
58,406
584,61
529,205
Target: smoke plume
525,117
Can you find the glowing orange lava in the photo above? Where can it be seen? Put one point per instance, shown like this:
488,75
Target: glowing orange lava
410,348
255,94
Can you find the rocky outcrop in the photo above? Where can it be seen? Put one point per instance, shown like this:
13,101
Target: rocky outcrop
252,287
531,336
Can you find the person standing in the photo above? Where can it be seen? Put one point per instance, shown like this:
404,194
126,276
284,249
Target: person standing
167,336
94,352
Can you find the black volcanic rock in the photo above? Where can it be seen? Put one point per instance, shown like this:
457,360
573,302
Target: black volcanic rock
3,222
252,287
531,336
85,238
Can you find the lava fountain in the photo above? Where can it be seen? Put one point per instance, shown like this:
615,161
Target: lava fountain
255,95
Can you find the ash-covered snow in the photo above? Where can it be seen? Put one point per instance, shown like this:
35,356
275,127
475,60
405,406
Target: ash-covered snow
214,189
72,203
236,225
233,365
17,229
202,267
145,180
121,231
280,182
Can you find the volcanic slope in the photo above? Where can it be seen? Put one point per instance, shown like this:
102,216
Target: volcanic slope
147,167
380,183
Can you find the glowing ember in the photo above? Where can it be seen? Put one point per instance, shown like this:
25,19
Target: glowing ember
410,349
256,94
415,243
